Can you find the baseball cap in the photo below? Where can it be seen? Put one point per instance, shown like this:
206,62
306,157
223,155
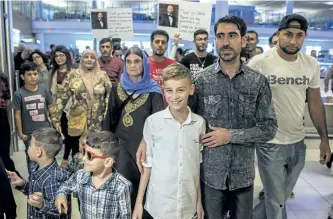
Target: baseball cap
285,22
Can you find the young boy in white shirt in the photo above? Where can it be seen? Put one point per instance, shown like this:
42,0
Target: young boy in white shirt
173,157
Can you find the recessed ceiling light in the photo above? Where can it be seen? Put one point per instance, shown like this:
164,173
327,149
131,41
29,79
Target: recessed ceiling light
328,3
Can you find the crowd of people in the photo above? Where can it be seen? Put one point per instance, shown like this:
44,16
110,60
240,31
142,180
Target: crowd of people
158,137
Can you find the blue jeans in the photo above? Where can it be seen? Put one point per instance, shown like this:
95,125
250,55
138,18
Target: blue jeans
279,169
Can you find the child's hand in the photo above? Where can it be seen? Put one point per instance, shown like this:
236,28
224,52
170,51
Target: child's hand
15,179
138,211
36,200
23,137
61,204
200,211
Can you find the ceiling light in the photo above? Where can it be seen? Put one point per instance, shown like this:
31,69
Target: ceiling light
328,3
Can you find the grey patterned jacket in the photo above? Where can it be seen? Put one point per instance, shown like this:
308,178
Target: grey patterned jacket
243,105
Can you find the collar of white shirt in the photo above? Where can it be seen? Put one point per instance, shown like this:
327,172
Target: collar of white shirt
192,117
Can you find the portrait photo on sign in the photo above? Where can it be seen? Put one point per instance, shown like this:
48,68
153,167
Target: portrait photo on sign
168,15
99,20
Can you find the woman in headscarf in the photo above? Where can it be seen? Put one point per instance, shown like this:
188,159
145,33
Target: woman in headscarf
87,89
61,66
131,101
43,72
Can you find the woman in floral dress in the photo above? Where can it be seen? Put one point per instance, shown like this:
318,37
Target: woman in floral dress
87,88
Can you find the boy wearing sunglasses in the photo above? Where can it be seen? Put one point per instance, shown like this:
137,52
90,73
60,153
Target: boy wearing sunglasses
46,175
103,193
172,137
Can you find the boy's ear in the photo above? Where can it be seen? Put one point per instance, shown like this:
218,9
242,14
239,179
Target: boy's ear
22,77
40,151
109,162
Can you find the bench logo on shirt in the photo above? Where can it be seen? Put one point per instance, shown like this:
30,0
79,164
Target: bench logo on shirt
273,79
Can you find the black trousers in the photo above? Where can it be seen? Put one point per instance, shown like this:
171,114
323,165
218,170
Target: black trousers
7,201
217,203
5,141
71,143
126,166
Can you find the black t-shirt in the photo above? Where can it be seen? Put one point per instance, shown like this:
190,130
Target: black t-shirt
195,63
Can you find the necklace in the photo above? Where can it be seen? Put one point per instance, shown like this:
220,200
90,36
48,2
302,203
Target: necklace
202,63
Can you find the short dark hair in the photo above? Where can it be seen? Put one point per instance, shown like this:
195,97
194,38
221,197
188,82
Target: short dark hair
270,40
52,45
27,66
200,31
44,57
252,31
115,48
180,51
239,22
50,139
159,32
107,142
105,40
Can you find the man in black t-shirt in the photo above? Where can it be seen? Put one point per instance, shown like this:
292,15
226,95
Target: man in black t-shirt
200,58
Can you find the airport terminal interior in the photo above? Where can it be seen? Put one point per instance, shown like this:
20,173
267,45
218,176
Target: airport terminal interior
41,26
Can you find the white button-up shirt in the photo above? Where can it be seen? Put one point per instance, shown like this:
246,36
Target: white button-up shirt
170,19
174,155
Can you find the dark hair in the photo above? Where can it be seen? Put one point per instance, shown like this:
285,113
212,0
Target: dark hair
252,31
239,22
134,50
44,57
261,49
159,32
105,40
116,47
49,139
186,51
180,51
51,46
27,66
107,142
65,51
271,38
200,31
3,81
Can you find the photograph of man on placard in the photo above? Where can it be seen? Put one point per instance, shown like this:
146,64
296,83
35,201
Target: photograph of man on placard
99,20
168,15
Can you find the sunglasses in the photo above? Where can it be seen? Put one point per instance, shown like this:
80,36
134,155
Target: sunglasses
90,155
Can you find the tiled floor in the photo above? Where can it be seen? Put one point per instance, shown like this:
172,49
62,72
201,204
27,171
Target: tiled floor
313,192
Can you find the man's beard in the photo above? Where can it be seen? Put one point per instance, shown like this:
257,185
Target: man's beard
158,54
201,49
106,55
285,50
232,58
